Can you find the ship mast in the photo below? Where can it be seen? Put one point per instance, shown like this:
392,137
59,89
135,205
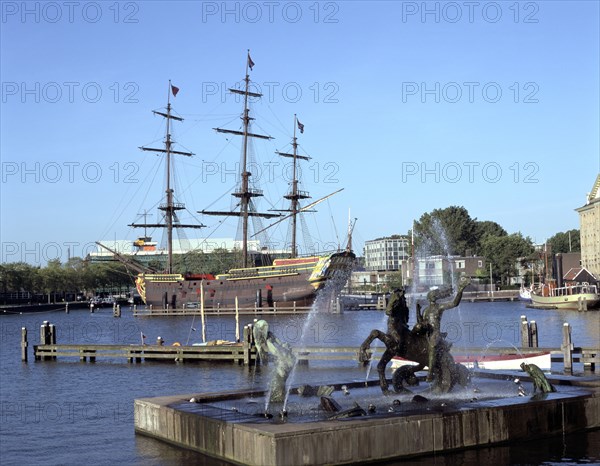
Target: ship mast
245,193
295,194
169,207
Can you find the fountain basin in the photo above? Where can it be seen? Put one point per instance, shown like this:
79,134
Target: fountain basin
229,426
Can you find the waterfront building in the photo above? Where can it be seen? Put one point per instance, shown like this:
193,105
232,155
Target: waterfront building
589,221
386,254
437,270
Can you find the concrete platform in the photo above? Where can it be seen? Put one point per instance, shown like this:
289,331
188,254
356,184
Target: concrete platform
211,428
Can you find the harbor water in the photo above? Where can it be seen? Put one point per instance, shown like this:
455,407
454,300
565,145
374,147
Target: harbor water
70,413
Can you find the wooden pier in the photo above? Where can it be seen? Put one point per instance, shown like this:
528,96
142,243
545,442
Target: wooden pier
148,312
234,352
490,296
187,310
244,352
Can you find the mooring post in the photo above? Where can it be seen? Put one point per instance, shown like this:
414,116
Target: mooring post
534,334
567,347
525,333
24,344
51,334
259,298
67,308
52,337
44,331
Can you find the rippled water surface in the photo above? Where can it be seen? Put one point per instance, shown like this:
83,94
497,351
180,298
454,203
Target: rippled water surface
69,412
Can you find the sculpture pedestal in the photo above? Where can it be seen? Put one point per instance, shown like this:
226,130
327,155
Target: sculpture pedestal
227,425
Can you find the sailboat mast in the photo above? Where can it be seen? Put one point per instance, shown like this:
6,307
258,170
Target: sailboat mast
169,192
245,197
169,207
294,191
295,194
245,193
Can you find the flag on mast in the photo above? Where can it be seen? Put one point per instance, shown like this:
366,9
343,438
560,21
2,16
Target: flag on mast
174,90
300,126
250,62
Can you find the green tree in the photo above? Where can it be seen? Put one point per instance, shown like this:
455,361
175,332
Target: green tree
487,228
449,231
53,279
568,241
19,276
393,280
503,252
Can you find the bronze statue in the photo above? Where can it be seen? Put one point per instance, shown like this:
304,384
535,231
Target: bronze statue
417,344
267,343
538,377
432,316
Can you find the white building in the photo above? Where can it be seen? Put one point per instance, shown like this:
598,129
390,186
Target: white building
386,253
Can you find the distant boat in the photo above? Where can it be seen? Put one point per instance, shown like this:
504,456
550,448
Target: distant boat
510,361
582,296
525,293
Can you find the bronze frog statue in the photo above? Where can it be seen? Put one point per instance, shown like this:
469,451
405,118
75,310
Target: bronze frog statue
538,377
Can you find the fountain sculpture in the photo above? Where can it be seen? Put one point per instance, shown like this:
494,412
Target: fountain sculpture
232,426
425,344
267,343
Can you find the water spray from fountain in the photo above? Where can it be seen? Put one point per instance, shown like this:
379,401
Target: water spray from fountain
323,303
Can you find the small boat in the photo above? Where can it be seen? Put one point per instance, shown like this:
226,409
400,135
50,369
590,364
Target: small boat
581,296
509,361
525,293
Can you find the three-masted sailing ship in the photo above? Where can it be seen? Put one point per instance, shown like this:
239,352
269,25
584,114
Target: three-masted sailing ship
286,282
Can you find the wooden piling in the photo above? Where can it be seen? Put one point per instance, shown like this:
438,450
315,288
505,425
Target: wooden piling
567,348
202,311
52,337
44,332
525,333
534,334
237,320
24,344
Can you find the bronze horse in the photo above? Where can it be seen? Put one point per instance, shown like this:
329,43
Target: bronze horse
413,345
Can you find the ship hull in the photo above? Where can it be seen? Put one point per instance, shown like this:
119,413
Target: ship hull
287,284
575,301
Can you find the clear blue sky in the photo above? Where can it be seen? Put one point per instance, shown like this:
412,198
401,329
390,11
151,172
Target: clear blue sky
409,106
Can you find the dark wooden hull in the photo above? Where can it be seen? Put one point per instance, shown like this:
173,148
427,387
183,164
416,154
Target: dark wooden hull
281,286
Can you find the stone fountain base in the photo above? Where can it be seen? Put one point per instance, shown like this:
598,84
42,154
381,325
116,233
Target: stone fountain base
223,425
